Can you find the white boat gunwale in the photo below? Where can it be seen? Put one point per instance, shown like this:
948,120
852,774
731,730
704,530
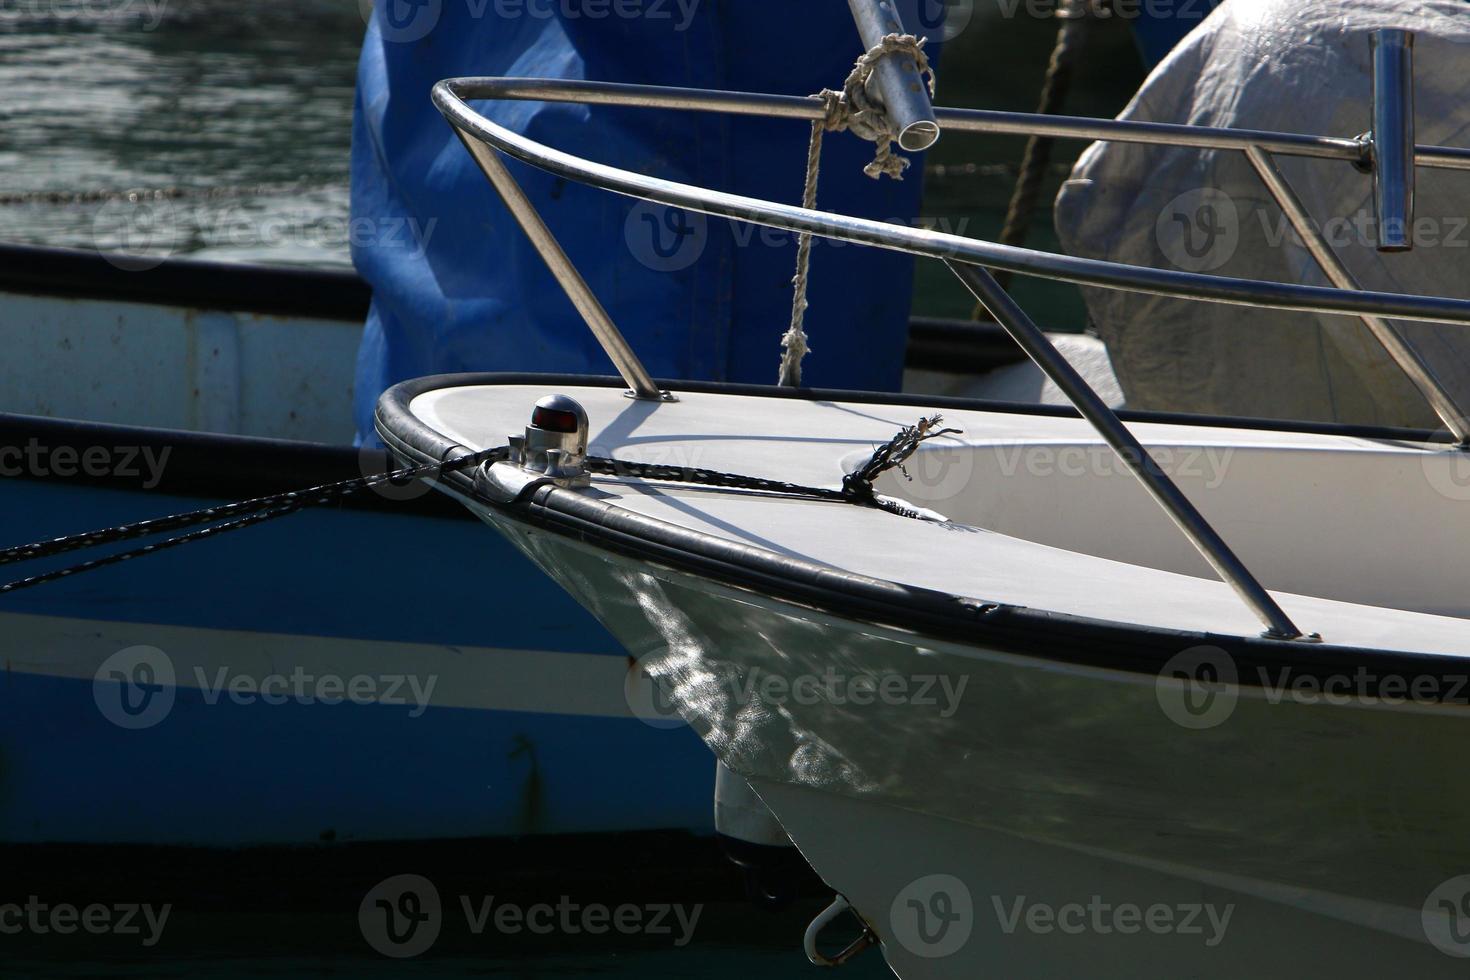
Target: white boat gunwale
1064,638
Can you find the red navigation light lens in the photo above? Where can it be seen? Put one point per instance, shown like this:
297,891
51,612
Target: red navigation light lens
554,420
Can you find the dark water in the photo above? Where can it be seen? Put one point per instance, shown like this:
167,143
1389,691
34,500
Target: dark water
102,96
250,106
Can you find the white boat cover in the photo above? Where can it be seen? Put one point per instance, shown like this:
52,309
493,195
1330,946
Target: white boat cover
1294,66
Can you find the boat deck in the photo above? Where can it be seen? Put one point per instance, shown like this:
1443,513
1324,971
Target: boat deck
815,442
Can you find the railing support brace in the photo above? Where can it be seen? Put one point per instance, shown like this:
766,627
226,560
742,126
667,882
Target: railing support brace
1008,313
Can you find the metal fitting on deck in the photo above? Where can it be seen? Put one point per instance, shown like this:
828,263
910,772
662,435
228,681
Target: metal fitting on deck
555,443
552,450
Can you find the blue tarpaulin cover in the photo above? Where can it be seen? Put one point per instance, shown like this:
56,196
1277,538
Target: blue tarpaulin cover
456,285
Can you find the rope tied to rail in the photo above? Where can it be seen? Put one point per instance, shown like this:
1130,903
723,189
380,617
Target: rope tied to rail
852,110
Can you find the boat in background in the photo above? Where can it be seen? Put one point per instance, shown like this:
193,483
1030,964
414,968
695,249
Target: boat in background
276,687
134,393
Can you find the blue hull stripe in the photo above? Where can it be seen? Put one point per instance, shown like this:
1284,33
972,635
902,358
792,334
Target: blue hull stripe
226,774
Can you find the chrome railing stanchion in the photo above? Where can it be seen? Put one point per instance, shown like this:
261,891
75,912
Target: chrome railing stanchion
1393,138
1166,492
1403,354
577,290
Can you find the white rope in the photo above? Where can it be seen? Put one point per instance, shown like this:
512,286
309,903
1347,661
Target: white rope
851,110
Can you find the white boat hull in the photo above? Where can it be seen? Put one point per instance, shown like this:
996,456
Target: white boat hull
1095,749
1062,807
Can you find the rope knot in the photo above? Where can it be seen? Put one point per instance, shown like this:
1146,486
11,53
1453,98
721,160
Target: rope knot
854,110
858,485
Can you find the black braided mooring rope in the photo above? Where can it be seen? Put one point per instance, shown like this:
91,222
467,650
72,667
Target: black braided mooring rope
857,488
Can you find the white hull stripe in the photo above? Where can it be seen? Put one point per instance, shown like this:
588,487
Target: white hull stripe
485,678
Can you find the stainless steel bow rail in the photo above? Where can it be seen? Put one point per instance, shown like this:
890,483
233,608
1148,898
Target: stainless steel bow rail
1389,152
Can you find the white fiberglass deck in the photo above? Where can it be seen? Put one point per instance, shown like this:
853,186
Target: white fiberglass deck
1041,509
